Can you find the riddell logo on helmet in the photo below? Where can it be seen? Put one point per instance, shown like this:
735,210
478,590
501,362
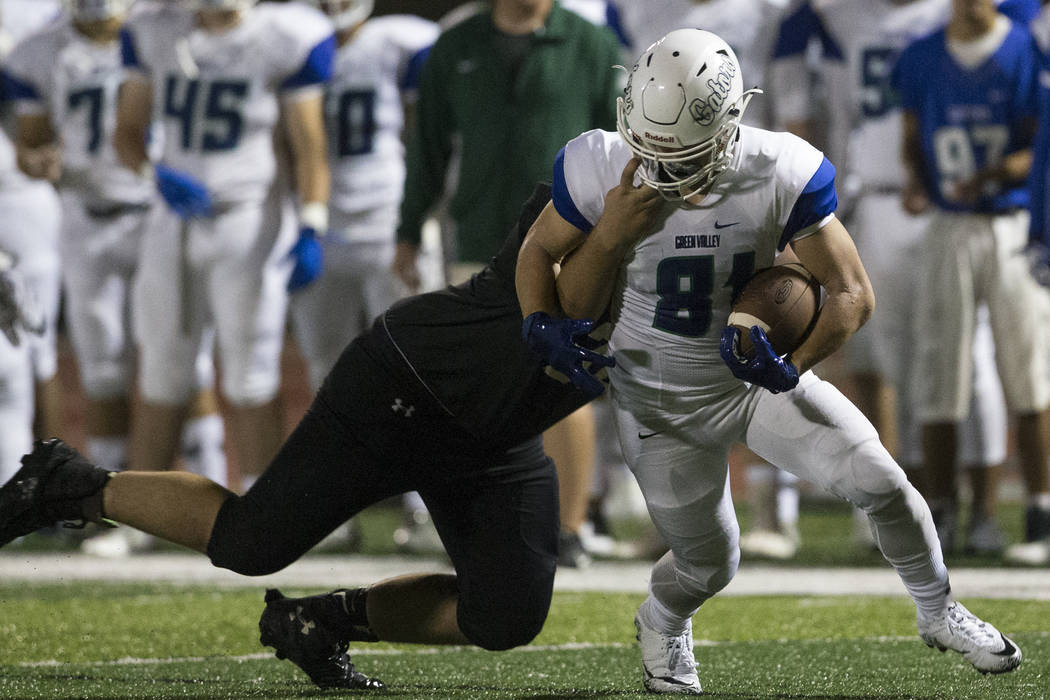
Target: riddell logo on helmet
660,138
704,111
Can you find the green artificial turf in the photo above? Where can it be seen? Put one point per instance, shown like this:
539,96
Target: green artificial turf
151,641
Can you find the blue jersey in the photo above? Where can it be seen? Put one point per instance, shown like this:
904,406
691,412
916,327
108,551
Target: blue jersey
969,117
1039,182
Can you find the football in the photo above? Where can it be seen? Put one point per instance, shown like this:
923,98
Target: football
784,300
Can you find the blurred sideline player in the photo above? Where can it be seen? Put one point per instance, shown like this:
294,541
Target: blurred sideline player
966,145
368,102
30,230
213,76
68,75
859,42
1035,550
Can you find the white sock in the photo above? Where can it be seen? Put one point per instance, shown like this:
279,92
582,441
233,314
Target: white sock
109,451
202,447
1040,501
656,616
787,499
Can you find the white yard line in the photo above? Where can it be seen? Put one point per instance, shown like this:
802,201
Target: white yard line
632,577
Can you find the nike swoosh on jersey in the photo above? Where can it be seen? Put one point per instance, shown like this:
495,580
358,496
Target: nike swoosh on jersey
646,436
718,225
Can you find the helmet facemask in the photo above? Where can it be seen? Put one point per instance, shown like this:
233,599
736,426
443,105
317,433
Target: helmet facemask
681,110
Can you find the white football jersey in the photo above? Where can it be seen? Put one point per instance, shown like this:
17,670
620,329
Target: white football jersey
364,117
674,295
748,26
870,34
215,95
74,81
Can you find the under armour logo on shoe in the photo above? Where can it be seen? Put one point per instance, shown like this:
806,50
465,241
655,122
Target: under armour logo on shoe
307,624
400,406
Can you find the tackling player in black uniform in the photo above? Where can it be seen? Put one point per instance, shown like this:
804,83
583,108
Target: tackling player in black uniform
440,396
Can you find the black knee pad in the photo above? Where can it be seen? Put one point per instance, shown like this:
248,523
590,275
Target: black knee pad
239,542
510,615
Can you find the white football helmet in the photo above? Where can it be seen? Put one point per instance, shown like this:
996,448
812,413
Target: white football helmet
95,10
680,111
345,13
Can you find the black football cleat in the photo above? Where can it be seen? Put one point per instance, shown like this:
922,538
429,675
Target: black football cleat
53,485
297,630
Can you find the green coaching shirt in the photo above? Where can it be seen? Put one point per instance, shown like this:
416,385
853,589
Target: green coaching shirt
508,104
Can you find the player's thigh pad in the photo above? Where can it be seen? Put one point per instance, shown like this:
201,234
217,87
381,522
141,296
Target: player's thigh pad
98,295
889,242
956,246
169,310
1018,309
814,432
682,470
247,297
500,524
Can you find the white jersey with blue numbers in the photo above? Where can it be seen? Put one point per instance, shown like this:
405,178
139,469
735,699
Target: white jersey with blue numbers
364,116
866,36
215,94
59,73
675,288
970,116
748,26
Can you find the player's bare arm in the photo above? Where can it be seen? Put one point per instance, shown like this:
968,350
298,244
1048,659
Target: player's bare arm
134,108
38,147
914,197
832,258
589,262
304,124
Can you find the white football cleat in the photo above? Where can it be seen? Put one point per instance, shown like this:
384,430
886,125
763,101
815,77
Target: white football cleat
668,665
988,649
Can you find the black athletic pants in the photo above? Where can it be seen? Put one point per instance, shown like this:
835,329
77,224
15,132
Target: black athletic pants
371,434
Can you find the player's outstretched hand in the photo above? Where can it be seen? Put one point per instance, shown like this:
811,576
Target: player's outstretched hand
308,258
186,195
766,368
632,212
554,339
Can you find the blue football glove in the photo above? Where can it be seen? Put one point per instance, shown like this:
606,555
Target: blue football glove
308,258
186,195
766,368
554,339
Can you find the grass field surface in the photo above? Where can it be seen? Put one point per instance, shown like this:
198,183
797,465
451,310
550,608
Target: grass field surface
62,637
149,641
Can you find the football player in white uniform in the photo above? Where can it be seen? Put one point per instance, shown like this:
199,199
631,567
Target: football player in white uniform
373,81
29,230
716,202
861,40
68,74
214,76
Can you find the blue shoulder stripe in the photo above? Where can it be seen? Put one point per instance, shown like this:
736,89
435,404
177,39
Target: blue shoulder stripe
16,89
317,68
818,199
414,70
612,19
129,57
562,200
